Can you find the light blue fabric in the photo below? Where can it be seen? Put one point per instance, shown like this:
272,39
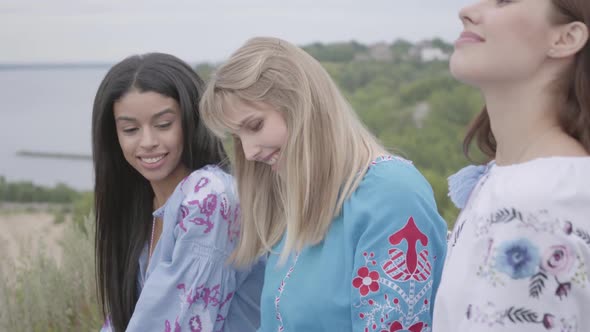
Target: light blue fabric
187,285
461,184
377,269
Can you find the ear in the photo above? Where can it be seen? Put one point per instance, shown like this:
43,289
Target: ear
569,39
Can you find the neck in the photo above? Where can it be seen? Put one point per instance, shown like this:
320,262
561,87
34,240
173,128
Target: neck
163,189
525,124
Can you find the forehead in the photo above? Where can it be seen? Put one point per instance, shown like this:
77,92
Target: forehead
236,110
135,103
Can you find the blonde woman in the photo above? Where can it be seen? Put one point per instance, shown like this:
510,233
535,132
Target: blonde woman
352,234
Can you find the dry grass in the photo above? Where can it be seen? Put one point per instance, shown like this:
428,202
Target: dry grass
48,290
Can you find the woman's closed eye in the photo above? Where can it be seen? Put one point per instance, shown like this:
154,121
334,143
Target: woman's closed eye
255,125
164,125
129,130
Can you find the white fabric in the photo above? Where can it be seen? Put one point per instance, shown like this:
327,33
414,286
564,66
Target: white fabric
518,258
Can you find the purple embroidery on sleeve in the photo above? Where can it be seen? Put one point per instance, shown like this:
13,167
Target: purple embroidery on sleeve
233,223
201,184
224,207
196,302
203,222
168,328
183,214
207,207
195,324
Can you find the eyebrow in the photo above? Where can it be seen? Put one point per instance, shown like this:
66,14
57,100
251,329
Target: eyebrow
157,115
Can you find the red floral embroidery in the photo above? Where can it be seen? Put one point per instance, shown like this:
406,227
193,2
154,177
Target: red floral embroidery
397,326
366,281
405,274
409,264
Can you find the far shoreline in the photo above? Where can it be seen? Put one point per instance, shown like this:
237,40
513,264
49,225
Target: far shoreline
54,66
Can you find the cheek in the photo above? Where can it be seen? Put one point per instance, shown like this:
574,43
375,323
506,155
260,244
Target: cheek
507,54
179,139
523,55
280,135
128,148
523,36
528,41
126,143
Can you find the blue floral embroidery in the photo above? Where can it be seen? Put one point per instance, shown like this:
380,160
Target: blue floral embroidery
518,259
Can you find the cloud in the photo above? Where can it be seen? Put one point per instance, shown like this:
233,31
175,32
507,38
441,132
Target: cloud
107,30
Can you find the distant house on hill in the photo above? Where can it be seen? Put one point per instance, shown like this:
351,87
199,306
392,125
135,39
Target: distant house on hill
379,52
421,110
427,51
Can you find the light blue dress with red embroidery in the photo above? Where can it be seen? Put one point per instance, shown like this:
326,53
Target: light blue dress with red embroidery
377,269
187,285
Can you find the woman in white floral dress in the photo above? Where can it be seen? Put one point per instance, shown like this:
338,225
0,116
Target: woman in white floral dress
518,258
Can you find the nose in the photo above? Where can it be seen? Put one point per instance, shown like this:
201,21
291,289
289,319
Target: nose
251,150
149,139
470,14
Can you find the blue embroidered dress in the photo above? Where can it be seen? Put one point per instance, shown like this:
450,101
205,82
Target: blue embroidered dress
187,285
377,268
518,259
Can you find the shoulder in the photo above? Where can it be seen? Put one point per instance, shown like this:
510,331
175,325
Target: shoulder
207,180
392,178
210,207
392,195
558,182
462,183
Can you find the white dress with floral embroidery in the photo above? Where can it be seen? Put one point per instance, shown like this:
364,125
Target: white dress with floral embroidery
519,256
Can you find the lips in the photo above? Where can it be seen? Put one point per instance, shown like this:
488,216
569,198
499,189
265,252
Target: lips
469,37
272,158
152,161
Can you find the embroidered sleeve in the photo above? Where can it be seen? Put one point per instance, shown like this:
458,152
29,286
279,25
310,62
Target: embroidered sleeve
192,289
533,275
398,261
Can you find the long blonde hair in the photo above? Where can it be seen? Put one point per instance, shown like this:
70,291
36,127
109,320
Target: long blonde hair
327,152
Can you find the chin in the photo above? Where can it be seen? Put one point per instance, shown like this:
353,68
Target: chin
156,176
151,177
463,72
457,67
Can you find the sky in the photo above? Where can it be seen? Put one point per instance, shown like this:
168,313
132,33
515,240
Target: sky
207,31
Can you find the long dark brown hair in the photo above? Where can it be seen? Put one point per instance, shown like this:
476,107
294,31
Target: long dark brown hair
574,117
123,197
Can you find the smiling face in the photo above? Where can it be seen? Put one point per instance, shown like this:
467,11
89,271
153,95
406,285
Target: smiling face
149,129
502,41
261,129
